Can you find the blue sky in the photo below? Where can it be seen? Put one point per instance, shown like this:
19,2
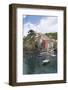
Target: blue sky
33,19
43,24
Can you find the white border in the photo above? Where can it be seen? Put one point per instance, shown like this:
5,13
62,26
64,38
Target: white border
41,77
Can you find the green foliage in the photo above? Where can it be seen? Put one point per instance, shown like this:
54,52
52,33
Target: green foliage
31,32
52,35
29,40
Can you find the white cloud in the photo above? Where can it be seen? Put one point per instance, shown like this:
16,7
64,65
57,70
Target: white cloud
49,24
24,16
29,26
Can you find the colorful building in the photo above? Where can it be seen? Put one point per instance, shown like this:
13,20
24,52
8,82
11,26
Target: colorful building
44,41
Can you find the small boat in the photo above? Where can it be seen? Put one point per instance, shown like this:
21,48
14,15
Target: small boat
53,55
45,61
43,53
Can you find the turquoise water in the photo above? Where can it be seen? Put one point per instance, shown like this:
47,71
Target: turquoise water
32,63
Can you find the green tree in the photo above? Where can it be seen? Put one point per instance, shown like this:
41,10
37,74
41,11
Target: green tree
29,40
31,33
52,35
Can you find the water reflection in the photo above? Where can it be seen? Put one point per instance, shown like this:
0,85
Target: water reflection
32,63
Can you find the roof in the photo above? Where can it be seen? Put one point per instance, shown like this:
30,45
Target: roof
44,37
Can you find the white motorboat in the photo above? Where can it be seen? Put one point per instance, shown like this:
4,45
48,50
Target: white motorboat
53,55
45,61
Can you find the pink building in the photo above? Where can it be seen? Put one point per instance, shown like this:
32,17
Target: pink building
45,44
44,41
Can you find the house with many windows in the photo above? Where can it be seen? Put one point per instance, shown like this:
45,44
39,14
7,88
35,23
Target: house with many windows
44,42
